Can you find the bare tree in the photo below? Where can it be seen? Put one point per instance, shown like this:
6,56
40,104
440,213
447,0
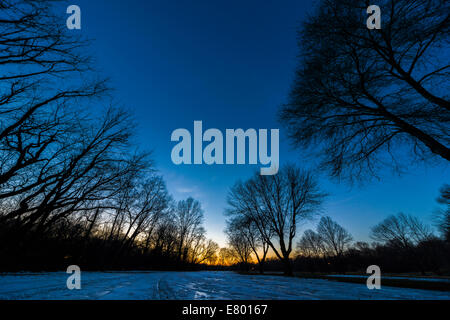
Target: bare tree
239,244
366,98
401,229
188,220
165,236
39,109
204,251
248,229
276,204
311,244
335,238
226,257
149,203
76,179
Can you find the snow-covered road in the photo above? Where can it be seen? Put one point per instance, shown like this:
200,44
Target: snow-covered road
193,285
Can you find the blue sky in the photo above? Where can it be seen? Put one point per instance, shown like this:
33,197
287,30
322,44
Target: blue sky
229,64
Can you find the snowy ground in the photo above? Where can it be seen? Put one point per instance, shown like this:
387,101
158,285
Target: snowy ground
193,285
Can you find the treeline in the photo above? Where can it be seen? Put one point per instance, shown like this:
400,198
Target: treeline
402,243
73,189
147,232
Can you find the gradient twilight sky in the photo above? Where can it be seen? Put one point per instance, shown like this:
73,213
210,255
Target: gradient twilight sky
230,64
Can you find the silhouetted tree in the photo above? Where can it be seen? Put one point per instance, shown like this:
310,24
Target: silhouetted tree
204,251
239,245
145,207
365,98
335,238
311,244
188,221
164,238
401,229
226,257
41,89
248,229
276,204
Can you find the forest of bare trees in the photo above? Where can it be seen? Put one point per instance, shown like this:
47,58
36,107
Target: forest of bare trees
73,188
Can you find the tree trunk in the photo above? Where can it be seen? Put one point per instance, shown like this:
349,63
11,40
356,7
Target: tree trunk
261,267
288,267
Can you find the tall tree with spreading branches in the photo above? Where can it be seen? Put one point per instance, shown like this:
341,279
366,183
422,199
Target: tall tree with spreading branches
369,99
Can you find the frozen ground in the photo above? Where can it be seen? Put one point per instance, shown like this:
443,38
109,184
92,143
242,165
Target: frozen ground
193,285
